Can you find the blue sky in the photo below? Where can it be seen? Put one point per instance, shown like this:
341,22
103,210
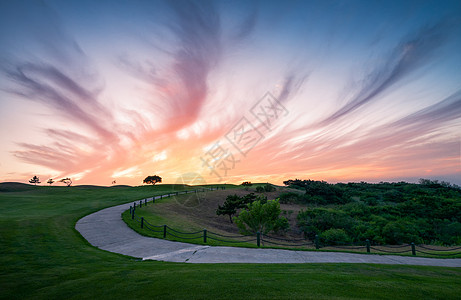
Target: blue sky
118,90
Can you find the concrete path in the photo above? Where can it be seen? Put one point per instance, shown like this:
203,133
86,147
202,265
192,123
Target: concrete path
106,230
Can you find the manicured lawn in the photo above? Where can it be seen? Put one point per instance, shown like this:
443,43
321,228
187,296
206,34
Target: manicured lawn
44,257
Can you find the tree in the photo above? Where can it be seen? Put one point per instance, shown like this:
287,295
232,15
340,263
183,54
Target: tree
328,192
152,179
50,181
261,217
67,181
230,206
234,202
246,184
265,188
35,180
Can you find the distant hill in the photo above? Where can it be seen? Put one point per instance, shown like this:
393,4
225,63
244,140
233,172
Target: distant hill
15,187
87,186
19,187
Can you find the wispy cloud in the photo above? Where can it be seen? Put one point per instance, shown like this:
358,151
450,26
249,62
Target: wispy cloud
62,79
183,93
46,83
412,53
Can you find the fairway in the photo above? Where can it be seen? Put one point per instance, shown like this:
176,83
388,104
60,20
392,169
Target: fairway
44,257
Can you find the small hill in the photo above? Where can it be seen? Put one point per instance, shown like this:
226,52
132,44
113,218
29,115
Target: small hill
7,187
121,186
87,186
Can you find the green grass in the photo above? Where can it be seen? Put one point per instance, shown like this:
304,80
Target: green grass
44,257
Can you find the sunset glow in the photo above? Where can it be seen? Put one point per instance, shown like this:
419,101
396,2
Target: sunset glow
232,91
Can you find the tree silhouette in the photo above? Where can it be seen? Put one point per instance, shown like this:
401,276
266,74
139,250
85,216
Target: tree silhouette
233,203
50,181
67,181
246,184
152,179
35,180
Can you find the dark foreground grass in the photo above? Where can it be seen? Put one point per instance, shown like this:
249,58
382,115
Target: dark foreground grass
44,257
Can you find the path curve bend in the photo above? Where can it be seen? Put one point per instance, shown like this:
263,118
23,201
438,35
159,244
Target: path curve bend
106,230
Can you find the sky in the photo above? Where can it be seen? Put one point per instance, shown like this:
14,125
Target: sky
230,91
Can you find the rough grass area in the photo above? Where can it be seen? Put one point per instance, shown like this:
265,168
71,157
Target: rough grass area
44,257
195,212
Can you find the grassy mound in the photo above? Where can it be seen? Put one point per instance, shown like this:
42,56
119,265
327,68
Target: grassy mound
8,187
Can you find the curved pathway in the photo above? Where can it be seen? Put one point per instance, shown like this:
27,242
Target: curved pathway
106,230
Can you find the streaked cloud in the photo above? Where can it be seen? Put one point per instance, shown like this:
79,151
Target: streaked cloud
148,93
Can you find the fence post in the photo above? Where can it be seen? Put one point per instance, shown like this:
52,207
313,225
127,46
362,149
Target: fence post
132,214
368,245
145,201
204,236
140,204
142,222
413,250
258,238
130,209
164,231
316,241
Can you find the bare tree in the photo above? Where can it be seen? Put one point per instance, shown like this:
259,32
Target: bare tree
67,181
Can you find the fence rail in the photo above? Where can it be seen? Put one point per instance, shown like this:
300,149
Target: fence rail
262,239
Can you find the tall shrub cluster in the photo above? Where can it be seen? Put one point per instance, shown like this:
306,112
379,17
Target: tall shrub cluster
385,213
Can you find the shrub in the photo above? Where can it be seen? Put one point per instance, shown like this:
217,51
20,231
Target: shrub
269,188
335,236
289,197
400,232
259,189
261,217
315,220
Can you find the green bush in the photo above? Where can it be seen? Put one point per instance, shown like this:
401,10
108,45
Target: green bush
315,220
261,217
289,197
400,232
385,213
335,236
269,188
